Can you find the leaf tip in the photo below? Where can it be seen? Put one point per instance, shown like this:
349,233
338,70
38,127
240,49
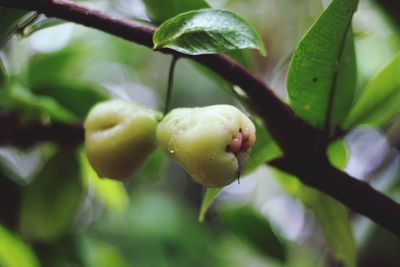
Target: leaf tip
263,50
200,218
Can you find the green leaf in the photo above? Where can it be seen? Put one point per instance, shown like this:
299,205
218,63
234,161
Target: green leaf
77,97
334,220
161,10
255,229
31,106
153,169
209,196
380,99
331,215
346,79
58,66
338,154
158,14
207,31
100,254
263,150
14,252
241,57
50,203
322,73
61,82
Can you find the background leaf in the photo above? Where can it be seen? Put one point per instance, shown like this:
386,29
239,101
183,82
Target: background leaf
161,10
256,230
50,203
208,198
334,220
331,215
77,97
17,98
263,150
14,252
112,194
58,66
322,71
380,99
207,31
101,254
338,154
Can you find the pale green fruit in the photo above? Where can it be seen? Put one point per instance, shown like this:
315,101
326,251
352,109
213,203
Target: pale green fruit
211,143
119,136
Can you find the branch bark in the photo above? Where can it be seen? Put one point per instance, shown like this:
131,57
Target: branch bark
29,134
392,7
303,146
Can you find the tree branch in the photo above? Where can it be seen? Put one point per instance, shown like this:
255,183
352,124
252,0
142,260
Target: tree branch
303,146
363,198
392,7
26,135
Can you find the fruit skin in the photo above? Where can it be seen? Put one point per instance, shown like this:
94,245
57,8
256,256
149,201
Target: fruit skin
211,143
119,136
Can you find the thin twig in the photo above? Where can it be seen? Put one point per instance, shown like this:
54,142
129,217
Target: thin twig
170,83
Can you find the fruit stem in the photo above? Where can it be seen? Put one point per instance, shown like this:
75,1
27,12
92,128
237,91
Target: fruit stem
170,83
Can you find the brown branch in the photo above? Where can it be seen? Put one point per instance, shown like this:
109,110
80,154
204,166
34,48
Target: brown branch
392,7
304,148
29,134
337,184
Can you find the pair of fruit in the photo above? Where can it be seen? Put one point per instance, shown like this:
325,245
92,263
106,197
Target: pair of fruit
211,143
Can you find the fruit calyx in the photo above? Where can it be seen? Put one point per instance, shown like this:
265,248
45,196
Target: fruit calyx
240,142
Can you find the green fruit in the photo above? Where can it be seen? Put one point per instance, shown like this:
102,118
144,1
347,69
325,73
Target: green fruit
211,143
119,136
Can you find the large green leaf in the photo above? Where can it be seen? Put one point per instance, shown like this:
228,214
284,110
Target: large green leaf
255,229
331,215
158,13
50,203
322,74
161,10
380,100
14,252
207,31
